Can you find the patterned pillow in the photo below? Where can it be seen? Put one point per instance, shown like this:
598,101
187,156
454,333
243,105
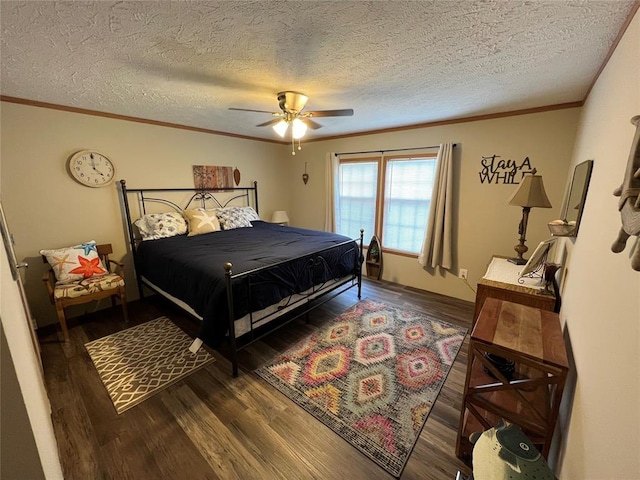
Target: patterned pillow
236,217
250,213
161,225
202,221
76,263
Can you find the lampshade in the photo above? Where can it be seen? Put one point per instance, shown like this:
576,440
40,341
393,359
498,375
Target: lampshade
281,127
280,216
298,128
530,193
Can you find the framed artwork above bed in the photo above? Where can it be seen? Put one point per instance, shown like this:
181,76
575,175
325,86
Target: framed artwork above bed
210,176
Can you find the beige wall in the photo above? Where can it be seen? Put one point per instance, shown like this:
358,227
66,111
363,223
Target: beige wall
485,224
601,292
45,208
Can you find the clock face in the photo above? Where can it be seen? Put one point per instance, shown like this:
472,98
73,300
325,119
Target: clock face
91,168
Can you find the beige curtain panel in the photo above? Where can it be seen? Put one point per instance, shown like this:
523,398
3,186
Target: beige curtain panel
331,175
437,248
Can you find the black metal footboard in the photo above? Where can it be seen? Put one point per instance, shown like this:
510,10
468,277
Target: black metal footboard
301,301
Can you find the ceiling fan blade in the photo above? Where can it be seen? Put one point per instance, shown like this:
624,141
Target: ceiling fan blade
249,110
346,112
311,124
269,123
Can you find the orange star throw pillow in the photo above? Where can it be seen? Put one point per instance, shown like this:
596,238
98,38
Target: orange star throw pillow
75,263
88,267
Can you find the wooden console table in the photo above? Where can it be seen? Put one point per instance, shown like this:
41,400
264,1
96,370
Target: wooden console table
501,281
529,395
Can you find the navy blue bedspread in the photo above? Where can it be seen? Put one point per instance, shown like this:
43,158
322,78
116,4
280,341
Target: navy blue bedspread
192,268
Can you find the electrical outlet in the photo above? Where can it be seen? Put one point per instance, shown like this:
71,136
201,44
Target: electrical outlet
463,273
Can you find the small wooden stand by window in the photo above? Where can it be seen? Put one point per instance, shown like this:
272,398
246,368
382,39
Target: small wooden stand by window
374,259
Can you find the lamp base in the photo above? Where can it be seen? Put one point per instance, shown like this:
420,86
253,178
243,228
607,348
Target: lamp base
518,260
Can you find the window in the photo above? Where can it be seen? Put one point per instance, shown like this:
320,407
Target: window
357,196
390,196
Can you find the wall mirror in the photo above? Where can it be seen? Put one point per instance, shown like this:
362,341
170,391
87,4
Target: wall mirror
574,203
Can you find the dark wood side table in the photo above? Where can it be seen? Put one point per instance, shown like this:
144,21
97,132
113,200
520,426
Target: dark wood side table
528,393
501,281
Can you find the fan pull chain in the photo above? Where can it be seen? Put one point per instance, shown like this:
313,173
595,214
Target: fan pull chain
293,145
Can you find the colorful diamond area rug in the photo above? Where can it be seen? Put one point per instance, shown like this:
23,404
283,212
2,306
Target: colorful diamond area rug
139,362
371,375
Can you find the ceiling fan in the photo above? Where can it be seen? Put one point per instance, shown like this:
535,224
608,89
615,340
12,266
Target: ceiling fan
292,104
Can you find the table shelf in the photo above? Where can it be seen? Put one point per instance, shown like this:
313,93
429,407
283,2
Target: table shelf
530,396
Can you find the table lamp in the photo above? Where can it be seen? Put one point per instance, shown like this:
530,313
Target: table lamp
530,193
281,217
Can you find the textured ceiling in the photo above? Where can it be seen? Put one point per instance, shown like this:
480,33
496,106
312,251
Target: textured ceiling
396,63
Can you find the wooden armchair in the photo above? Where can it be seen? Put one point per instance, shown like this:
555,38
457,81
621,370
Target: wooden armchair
96,287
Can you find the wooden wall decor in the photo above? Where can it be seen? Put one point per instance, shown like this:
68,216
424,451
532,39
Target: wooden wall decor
209,176
629,204
374,259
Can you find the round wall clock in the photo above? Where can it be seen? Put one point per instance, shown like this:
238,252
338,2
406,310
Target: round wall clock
91,169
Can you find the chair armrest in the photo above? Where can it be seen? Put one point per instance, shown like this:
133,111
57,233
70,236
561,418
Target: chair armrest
118,267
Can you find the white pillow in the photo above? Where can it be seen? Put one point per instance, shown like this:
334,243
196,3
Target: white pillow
236,217
202,221
72,264
250,213
161,225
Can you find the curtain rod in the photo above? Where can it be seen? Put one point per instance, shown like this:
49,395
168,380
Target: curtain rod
392,150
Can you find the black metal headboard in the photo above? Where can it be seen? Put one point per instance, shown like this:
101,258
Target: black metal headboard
218,197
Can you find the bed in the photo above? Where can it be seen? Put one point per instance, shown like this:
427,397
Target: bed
242,282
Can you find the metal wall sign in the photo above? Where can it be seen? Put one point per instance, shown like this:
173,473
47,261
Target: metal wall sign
498,170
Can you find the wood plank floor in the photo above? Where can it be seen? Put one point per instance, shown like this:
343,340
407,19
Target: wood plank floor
213,426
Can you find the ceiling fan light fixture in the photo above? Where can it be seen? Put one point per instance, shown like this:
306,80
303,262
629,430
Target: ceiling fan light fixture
291,105
281,127
292,101
298,128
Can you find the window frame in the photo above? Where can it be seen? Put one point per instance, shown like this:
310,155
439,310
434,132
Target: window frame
382,162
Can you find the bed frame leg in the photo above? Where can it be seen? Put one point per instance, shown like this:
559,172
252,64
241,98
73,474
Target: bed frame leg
140,290
361,263
195,345
232,326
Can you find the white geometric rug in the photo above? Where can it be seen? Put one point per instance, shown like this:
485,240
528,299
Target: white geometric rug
138,362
